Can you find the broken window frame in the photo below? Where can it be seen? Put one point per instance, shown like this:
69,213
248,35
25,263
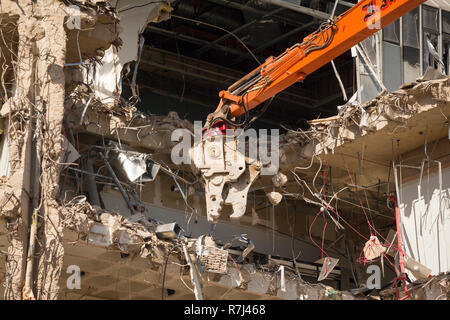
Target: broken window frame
446,59
433,34
445,32
411,54
389,43
365,78
404,47
393,28
4,151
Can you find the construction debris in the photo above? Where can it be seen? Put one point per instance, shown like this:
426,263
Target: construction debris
435,288
95,94
274,197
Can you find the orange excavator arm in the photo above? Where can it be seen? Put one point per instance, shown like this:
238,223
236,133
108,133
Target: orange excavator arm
333,38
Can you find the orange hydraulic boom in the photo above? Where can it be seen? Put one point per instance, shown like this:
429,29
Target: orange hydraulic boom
333,38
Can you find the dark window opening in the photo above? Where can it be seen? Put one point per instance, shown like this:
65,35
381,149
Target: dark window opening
391,32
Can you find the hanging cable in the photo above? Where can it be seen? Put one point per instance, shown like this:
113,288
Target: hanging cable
165,269
142,5
222,29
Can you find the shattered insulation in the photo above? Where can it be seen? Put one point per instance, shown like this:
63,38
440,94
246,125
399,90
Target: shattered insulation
223,150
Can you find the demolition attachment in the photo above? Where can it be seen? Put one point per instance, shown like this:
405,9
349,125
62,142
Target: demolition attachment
226,173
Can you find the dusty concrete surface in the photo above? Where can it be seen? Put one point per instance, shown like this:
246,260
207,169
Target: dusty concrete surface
435,288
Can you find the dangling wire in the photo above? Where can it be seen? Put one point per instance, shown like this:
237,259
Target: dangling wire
222,29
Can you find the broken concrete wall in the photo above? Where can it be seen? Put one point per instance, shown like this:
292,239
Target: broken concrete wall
101,228
387,113
106,75
35,111
52,94
123,123
16,191
40,94
393,123
111,230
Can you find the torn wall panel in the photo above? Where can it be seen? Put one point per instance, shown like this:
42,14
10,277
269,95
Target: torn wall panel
134,17
425,215
91,29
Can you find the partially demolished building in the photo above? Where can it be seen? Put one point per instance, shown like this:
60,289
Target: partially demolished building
93,95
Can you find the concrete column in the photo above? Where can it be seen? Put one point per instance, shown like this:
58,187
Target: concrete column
50,68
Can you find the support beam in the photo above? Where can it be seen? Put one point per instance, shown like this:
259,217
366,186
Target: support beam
235,31
274,41
346,3
199,69
295,7
260,12
190,39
